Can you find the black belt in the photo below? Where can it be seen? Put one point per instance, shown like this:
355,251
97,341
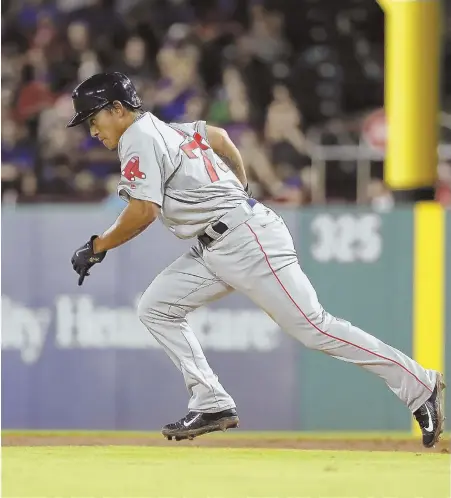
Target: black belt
220,227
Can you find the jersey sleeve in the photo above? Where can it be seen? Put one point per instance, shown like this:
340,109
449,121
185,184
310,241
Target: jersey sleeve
142,172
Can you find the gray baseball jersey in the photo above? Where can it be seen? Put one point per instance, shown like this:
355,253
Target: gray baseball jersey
174,166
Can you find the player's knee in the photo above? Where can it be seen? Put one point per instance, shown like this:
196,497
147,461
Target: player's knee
154,307
315,323
148,306
316,317
319,321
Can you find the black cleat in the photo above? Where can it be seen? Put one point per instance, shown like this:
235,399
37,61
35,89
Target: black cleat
198,423
430,415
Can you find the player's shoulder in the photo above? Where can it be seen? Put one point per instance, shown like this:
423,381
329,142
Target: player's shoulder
140,133
191,127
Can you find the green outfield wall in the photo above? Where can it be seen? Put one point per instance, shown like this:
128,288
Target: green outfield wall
363,267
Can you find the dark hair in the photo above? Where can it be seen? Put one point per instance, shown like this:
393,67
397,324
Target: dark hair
110,107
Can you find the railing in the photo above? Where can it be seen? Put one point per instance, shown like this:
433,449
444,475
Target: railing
362,154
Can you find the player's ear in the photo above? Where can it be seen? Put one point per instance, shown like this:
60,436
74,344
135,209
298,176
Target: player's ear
118,108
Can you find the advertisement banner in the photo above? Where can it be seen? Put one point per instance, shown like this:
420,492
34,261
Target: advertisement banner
79,358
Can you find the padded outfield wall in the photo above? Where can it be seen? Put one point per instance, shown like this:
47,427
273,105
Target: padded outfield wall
79,357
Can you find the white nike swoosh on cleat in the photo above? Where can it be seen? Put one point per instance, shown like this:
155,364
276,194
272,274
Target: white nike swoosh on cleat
430,427
187,424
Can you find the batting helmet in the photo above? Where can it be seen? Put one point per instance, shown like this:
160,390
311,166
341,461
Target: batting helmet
98,91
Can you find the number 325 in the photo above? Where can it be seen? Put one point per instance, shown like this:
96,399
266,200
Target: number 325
347,238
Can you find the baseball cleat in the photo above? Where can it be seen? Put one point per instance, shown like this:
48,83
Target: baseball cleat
430,416
198,423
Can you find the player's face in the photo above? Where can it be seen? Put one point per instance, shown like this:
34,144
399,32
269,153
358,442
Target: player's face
107,127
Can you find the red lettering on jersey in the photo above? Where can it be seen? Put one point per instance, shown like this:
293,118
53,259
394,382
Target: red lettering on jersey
132,171
197,143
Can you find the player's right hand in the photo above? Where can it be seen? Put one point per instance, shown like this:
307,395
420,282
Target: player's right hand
84,258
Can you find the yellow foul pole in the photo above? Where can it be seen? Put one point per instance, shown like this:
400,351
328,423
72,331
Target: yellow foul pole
412,68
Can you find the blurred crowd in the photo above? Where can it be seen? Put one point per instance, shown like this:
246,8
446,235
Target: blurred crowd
279,76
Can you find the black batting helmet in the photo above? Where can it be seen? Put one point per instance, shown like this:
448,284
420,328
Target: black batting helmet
98,91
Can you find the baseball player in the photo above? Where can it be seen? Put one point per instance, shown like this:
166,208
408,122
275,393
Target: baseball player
191,176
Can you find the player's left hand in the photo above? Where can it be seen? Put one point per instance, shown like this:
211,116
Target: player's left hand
84,258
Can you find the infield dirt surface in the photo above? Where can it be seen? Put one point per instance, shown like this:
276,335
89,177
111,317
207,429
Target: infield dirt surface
234,440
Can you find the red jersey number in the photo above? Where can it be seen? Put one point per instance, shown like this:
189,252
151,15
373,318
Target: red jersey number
197,143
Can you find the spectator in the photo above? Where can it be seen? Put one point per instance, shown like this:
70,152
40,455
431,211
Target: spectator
85,184
45,33
89,65
262,177
52,132
28,186
59,178
265,37
33,97
443,191
136,64
194,109
231,103
17,149
78,37
178,82
282,131
10,183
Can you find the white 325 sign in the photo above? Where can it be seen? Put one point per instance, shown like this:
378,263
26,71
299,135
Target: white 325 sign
346,238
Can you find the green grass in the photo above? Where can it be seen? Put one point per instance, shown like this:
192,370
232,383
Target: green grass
194,472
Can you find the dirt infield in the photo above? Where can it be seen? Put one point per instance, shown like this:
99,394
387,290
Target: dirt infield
225,441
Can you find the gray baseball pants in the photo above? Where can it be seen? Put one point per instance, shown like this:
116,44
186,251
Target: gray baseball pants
256,257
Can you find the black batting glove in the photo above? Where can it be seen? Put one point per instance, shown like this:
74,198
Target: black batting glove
84,258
